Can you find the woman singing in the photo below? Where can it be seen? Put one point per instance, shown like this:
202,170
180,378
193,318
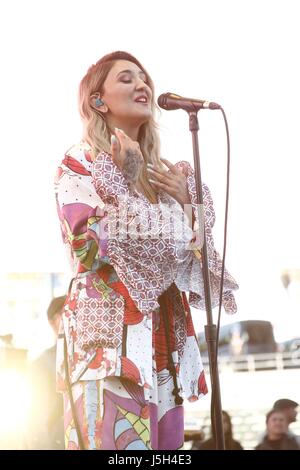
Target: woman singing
127,352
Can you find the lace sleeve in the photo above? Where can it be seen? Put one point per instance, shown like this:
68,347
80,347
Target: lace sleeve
189,277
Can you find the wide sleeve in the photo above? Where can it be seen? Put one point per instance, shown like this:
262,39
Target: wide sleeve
189,277
141,246
82,214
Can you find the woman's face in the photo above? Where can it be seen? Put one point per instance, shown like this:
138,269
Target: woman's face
126,95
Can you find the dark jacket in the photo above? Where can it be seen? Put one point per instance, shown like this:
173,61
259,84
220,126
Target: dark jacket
284,443
209,444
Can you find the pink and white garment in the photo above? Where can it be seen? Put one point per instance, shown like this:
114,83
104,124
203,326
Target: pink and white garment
133,272
146,273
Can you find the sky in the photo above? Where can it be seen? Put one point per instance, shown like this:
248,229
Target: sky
241,54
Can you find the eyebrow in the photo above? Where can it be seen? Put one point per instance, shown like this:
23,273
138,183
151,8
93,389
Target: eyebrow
130,71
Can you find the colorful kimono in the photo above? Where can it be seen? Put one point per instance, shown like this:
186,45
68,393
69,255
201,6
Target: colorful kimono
129,358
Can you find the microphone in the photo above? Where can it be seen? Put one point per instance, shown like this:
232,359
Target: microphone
170,101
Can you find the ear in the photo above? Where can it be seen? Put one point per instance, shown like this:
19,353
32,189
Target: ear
93,102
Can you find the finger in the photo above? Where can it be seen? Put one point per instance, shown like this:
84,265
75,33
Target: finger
158,168
124,141
171,167
115,147
121,134
162,176
163,186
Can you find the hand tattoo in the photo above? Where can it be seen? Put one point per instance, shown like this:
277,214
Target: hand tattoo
133,162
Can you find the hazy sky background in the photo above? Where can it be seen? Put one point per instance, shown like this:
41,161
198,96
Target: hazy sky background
242,54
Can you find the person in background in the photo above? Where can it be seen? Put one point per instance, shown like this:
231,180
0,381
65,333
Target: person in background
45,426
193,437
230,443
277,437
289,409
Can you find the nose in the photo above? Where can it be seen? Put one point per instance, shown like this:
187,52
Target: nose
141,85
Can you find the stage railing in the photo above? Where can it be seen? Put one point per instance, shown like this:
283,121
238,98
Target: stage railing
258,362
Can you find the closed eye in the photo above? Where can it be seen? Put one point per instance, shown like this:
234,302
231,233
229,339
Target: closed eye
129,81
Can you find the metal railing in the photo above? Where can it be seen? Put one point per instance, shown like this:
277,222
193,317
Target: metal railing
257,362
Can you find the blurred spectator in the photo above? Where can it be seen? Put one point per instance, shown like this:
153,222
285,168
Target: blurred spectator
230,443
289,409
277,437
194,436
45,428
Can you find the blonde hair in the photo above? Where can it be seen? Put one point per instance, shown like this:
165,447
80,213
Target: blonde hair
97,134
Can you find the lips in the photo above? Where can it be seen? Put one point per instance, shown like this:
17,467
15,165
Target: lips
141,99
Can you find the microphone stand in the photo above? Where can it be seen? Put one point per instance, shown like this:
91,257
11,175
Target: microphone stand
210,328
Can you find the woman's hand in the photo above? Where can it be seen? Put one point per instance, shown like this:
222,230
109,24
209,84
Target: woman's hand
127,155
172,182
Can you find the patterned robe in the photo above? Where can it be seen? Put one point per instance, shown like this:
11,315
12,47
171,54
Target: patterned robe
111,320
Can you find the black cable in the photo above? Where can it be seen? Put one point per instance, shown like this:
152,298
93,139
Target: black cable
223,266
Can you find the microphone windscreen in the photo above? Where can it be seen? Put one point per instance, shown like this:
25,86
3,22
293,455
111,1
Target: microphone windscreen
161,100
